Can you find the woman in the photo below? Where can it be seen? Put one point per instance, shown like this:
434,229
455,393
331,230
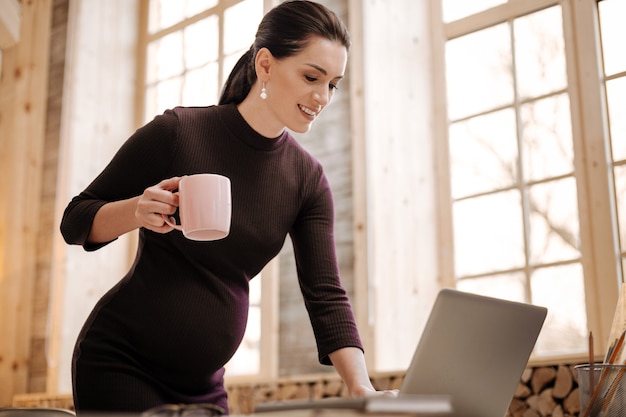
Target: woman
164,332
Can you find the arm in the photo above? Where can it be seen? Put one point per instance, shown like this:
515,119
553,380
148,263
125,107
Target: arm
117,201
113,220
119,217
350,365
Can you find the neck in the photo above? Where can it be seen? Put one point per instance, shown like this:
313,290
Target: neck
257,114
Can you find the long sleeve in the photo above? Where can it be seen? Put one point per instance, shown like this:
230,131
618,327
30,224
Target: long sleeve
142,161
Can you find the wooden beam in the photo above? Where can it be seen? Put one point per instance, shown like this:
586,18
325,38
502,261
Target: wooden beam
9,23
23,90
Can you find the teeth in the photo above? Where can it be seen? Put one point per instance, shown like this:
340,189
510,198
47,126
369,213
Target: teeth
307,110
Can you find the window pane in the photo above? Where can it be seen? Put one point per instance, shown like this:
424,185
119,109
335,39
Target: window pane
509,286
246,359
229,64
548,149
165,58
193,7
240,25
201,42
161,97
561,290
150,103
554,228
457,9
168,94
483,153
164,13
540,53
478,72
620,194
200,87
613,32
488,233
616,97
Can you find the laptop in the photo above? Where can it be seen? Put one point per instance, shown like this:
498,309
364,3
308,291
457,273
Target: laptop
473,350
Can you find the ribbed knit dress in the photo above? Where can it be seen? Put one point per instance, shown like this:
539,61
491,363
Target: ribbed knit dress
164,333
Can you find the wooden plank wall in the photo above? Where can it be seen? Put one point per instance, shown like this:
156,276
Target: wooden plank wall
401,190
41,360
23,91
97,117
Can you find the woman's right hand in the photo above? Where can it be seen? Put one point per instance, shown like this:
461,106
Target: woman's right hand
155,201
119,217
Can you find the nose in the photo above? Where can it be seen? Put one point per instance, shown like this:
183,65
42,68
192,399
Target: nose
322,96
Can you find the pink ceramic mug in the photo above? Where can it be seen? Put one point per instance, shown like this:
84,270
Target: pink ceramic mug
204,207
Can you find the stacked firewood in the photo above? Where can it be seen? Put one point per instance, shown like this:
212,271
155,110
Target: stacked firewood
543,391
549,391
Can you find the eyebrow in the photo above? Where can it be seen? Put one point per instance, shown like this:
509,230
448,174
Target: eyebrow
323,71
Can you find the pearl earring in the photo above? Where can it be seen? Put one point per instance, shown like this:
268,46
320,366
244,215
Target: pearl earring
263,92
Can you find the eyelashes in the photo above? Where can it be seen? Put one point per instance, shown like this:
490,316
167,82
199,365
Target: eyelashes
331,86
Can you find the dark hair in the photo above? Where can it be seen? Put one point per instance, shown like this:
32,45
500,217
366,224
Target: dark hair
285,30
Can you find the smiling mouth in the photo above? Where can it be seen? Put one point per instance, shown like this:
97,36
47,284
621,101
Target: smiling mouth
308,111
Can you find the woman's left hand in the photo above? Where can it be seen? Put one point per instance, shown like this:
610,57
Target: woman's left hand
367,391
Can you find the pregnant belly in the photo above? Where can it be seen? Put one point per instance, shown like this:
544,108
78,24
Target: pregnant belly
181,335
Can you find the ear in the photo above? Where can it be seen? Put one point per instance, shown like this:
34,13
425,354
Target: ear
263,64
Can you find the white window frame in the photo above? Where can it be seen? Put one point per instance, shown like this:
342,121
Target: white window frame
599,250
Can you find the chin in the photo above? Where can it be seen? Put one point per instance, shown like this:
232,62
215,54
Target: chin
300,129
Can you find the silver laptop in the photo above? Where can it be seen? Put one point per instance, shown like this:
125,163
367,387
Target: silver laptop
473,349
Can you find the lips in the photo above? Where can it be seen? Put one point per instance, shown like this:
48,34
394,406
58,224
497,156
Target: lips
308,111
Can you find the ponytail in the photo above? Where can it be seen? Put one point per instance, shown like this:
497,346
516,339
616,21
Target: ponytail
240,80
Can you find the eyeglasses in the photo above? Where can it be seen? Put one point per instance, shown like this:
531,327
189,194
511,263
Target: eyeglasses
184,410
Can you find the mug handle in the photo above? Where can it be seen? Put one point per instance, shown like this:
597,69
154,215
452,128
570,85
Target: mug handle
171,221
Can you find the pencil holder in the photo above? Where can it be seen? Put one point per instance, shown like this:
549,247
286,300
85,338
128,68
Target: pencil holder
602,390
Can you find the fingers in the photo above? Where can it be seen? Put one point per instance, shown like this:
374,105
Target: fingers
155,201
391,393
170,184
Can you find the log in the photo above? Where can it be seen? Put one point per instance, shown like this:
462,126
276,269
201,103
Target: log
263,392
293,391
517,408
564,382
396,382
333,388
241,400
571,404
558,411
381,383
546,402
541,378
526,375
531,413
522,391
317,391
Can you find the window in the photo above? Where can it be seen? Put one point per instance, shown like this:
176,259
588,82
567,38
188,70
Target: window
190,48
520,175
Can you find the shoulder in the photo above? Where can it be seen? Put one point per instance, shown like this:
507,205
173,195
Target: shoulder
195,113
307,168
304,157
